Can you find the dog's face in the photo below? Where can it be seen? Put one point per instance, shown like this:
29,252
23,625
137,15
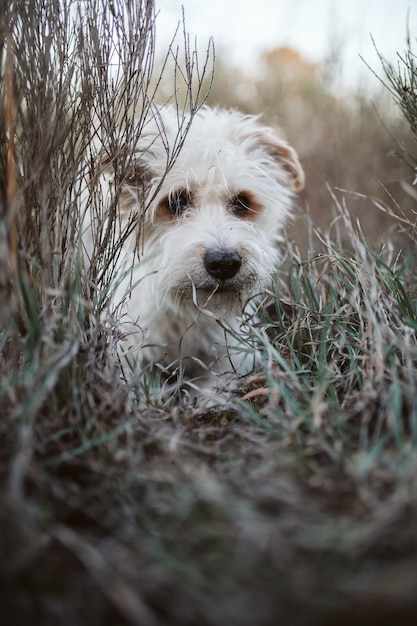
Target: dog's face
211,228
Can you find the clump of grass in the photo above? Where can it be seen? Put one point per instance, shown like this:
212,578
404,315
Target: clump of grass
340,356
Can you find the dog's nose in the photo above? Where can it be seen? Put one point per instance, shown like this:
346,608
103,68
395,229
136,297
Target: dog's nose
222,263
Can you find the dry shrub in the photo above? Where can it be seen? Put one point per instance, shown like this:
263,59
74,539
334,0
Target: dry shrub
77,81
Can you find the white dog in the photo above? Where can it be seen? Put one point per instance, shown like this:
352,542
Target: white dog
209,229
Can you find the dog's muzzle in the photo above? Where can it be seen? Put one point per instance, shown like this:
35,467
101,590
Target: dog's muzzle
222,263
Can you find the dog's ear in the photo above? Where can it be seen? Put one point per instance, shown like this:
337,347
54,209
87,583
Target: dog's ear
285,156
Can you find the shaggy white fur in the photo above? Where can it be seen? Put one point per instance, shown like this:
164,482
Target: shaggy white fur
209,229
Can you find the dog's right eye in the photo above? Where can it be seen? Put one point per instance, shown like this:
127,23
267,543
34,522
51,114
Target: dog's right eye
177,202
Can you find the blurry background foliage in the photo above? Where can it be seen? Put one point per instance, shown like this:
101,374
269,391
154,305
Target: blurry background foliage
348,138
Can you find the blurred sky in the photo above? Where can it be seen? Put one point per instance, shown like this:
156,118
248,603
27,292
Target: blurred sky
242,29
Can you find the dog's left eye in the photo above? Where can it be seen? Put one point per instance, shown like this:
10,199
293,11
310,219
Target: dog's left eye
178,202
241,204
